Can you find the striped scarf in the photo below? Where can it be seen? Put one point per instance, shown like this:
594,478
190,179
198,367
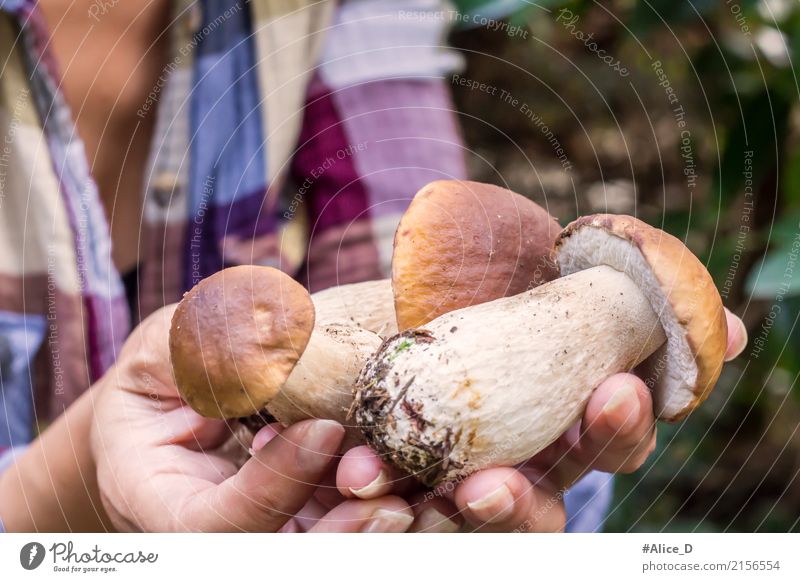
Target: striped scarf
290,134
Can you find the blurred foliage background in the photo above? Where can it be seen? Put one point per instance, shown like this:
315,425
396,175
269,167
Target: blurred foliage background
686,115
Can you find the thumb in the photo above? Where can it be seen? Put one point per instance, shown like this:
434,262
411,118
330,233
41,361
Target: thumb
272,486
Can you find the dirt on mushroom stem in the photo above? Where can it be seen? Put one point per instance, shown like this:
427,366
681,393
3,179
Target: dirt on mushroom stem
495,383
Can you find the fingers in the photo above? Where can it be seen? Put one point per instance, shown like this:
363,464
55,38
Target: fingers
361,474
737,336
434,514
265,435
503,499
306,518
618,428
184,426
272,486
616,434
617,431
384,515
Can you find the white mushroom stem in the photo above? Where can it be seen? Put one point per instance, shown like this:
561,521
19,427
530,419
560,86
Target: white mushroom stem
350,322
369,305
494,384
321,384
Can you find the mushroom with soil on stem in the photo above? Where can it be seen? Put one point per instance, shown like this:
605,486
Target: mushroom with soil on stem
368,305
493,384
463,243
244,340
459,243
227,366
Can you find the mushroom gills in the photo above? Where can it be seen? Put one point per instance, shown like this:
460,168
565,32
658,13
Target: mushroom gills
672,373
494,384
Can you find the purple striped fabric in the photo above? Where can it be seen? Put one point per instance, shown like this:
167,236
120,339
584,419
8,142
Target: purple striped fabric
364,152
414,118
102,306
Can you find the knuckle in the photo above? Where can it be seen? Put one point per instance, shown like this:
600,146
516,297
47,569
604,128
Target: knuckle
550,516
265,509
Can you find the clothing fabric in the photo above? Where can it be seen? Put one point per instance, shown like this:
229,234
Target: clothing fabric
58,288
324,144
588,501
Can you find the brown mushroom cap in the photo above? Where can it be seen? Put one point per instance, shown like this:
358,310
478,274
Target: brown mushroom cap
684,370
463,243
235,338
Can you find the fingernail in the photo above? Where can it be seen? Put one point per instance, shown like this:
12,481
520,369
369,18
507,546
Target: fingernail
318,444
431,521
262,437
741,343
385,521
622,409
372,489
494,507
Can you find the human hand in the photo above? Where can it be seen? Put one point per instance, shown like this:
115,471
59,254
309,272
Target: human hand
160,466
616,435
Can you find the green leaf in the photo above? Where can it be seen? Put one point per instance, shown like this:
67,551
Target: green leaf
778,275
490,9
791,178
650,16
760,129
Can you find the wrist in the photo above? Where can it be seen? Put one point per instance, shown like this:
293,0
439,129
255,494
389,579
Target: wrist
52,486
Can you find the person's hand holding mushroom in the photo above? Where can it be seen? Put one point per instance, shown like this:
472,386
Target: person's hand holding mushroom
162,467
615,435
492,383
488,370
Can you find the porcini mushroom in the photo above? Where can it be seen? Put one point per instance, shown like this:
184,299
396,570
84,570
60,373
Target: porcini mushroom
462,243
459,243
369,305
485,242
493,384
244,340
